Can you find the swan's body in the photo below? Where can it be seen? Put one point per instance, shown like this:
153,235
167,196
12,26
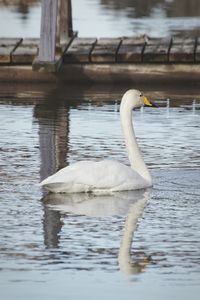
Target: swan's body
107,176
97,177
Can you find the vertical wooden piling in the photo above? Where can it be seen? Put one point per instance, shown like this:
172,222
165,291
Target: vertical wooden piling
47,45
55,32
64,22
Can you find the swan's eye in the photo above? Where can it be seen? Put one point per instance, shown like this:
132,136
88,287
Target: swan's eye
141,95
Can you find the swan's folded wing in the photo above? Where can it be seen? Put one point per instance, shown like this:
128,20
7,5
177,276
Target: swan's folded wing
89,176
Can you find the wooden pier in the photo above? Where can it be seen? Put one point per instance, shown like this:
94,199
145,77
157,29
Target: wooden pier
60,55
104,59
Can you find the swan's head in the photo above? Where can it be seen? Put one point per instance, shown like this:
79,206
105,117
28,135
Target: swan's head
134,99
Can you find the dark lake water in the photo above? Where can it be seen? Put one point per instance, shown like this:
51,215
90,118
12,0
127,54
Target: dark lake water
57,247
107,18
85,247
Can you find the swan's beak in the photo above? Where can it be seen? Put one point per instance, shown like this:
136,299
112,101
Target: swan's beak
148,102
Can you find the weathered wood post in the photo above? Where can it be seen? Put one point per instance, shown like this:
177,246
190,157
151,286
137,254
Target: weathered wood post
64,22
55,31
47,44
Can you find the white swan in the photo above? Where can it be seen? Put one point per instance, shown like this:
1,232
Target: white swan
107,176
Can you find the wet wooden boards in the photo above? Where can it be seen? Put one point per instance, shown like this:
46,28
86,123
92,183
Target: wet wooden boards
7,46
157,50
105,50
26,51
80,50
125,50
197,52
182,50
131,50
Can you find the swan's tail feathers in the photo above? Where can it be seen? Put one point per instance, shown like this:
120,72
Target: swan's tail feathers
52,185
46,181
56,187
65,187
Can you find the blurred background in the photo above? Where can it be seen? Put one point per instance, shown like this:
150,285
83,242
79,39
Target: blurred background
107,18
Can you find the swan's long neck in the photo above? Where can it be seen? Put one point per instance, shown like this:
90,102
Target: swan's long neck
134,154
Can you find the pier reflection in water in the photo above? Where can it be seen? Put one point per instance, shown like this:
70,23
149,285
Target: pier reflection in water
78,243
53,139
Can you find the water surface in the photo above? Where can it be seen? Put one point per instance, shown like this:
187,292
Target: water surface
79,247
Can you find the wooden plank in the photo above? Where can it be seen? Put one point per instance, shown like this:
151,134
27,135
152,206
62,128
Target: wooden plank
197,51
131,50
9,41
64,46
133,73
181,40
105,50
69,18
156,50
138,40
182,50
79,50
64,22
26,52
47,45
7,46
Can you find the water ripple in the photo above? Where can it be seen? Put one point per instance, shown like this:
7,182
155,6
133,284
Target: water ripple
39,236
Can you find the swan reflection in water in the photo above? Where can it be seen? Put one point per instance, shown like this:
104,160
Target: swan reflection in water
130,204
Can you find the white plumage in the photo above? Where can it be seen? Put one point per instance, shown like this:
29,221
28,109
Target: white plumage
107,176
97,177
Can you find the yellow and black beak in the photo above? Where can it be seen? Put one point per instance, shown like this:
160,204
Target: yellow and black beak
148,102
